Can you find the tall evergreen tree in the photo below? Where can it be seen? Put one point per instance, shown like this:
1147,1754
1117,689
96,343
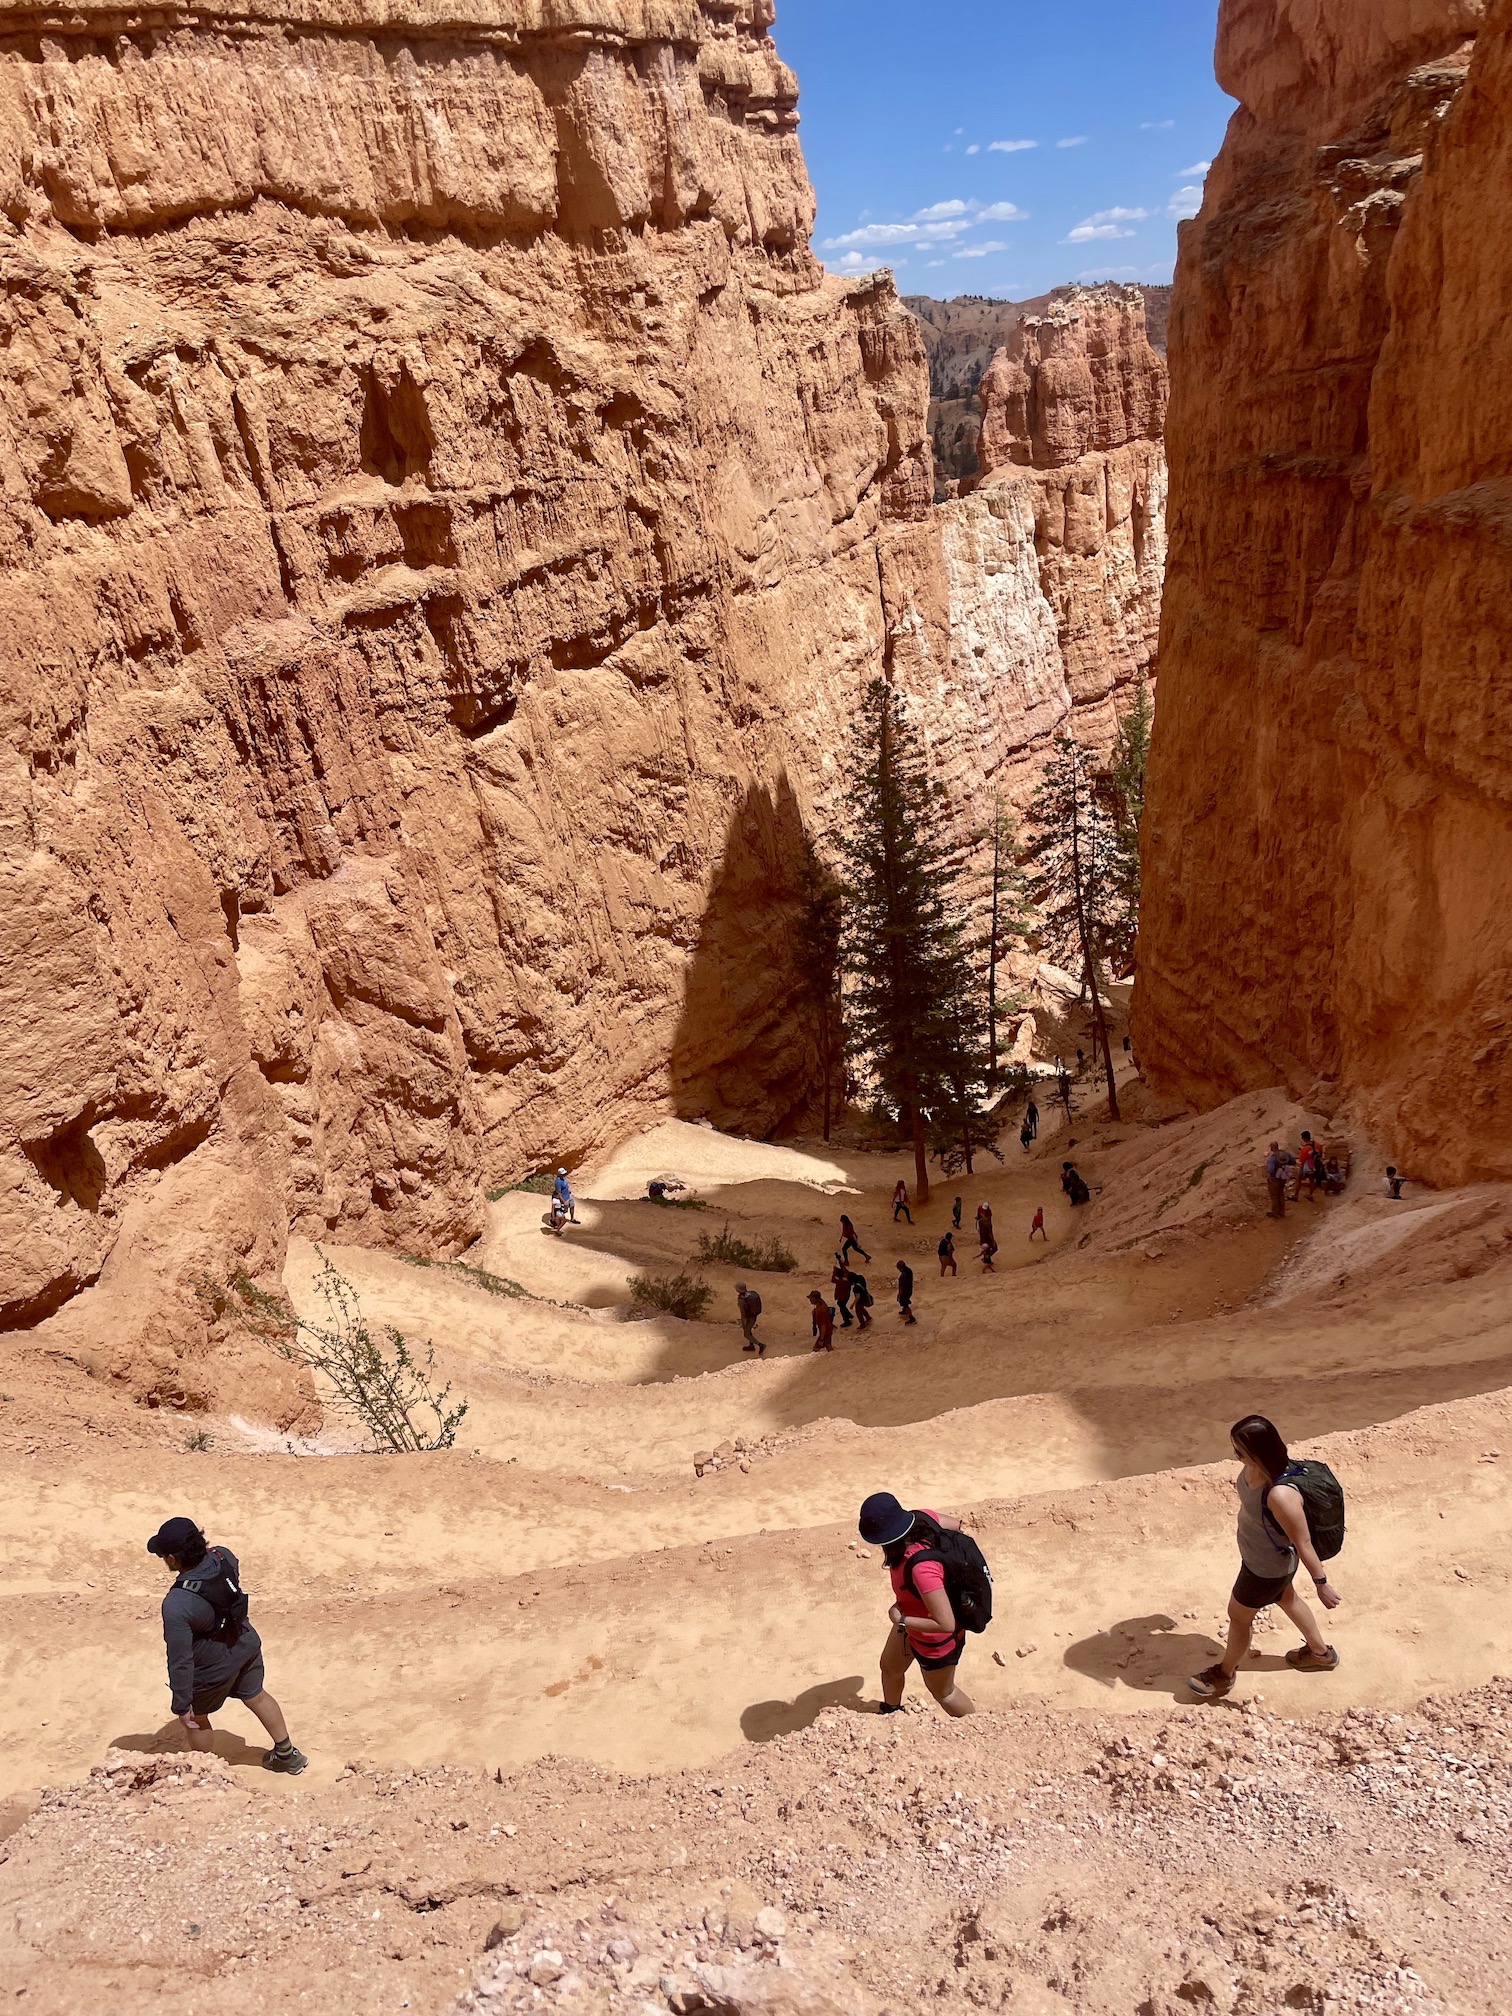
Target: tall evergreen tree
1126,790
906,941
1008,920
1072,884
816,951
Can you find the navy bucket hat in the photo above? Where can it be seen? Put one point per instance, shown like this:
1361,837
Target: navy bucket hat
883,1520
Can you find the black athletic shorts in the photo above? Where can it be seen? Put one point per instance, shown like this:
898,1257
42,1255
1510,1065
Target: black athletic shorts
1257,1592
240,1687
950,1658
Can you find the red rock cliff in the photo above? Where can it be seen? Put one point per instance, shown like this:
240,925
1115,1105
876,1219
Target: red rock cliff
445,512
1328,867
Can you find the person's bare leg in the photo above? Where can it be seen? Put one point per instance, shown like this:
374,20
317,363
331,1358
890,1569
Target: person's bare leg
268,1712
1240,1631
1291,1605
895,1662
950,1697
203,1737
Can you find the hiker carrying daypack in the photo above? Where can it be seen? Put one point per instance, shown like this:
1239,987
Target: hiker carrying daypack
215,1583
1322,1498
968,1579
941,1590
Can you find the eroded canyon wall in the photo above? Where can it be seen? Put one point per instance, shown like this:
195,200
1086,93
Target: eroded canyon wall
1056,557
1328,864
447,515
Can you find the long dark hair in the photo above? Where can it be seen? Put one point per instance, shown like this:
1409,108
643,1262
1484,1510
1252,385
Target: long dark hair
194,1551
923,1529
1261,1442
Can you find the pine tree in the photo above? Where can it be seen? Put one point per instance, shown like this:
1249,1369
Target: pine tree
1072,884
816,952
906,945
1008,920
1126,789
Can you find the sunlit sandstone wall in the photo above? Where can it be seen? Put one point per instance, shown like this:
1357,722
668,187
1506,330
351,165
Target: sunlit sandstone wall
1328,867
446,518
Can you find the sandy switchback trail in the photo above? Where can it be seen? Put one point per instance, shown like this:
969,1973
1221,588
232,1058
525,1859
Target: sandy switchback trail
563,1583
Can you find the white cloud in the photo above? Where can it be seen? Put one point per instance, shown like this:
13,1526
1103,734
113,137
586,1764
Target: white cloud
1186,202
852,264
975,147
927,229
934,262
1117,215
1109,273
1197,168
1076,140
1106,224
981,251
1010,146
1156,125
1085,233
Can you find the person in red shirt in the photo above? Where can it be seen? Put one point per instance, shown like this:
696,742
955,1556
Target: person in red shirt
823,1322
923,1625
1039,1225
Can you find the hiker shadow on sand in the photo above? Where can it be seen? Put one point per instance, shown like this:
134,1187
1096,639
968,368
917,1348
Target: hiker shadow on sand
765,1719
170,1740
1151,1655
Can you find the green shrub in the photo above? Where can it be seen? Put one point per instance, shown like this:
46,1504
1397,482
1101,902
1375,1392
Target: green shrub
678,1294
200,1440
495,1284
767,1256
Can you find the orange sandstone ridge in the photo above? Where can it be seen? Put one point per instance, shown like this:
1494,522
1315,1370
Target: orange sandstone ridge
1328,873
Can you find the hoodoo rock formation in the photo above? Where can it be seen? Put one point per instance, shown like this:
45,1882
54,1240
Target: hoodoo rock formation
1328,872
1056,558
446,511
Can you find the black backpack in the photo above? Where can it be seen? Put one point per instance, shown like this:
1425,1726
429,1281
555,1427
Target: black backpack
968,1579
1322,1501
213,1582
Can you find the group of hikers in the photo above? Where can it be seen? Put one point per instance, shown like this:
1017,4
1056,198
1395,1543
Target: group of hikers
853,1298
1290,1518
1311,1167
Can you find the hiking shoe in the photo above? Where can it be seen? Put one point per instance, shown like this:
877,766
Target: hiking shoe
290,1761
1305,1660
748,1347
1211,1684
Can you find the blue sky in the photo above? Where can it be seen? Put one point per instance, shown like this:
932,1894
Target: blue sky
1004,146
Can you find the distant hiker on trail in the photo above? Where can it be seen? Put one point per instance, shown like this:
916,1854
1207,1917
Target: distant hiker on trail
556,1219
905,1292
955,1215
1031,1120
1309,1168
900,1203
1081,1063
849,1243
862,1300
946,1251
1026,1137
1394,1183
748,1302
1037,1229
986,1237
561,1191
911,1547
823,1322
214,1655
984,1221
1074,1184
1289,1513
842,1281
1277,1163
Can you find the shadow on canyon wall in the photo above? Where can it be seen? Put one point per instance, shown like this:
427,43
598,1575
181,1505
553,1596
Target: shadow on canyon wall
744,1053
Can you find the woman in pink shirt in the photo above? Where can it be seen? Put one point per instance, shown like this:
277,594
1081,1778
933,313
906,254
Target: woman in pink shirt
924,1627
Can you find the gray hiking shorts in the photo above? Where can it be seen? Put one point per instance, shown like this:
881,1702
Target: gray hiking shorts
242,1686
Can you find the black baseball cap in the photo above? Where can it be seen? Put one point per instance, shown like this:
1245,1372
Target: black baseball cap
883,1520
177,1537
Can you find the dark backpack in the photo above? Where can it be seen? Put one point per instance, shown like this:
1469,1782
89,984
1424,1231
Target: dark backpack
214,1584
1322,1502
968,1579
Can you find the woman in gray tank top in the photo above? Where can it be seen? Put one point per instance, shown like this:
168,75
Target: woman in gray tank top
1273,1542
